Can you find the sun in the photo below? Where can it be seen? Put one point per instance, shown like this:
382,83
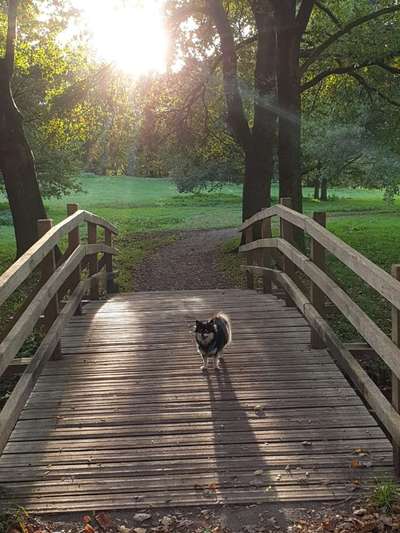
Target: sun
127,33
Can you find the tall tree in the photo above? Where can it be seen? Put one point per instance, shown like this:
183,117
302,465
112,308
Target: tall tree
16,159
257,141
290,28
316,40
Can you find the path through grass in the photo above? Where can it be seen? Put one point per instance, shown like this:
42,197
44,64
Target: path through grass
141,205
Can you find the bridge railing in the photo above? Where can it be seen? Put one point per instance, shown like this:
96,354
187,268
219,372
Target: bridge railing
263,251
60,280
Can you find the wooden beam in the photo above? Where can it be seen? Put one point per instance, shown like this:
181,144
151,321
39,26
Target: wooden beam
17,273
383,346
317,297
359,347
47,268
260,243
396,379
383,409
266,258
378,341
108,258
74,241
12,343
93,267
268,212
15,403
100,248
288,235
248,237
372,274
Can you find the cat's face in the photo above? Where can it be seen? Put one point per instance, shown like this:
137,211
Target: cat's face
205,331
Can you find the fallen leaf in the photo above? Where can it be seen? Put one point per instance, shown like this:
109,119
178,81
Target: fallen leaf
104,520
124,529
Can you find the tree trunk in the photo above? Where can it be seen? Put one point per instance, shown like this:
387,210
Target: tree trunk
324,190
18,169
16,159
259,153
256,184
317,185
257,143
288,76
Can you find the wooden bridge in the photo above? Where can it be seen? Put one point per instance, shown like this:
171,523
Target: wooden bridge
113,412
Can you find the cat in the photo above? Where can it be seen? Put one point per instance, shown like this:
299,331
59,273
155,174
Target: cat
211,338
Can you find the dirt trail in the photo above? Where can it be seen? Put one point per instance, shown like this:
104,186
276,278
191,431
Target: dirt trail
188,263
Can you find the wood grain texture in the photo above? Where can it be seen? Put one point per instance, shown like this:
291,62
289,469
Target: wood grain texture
127,420
375,276
10,412
384,411
370,331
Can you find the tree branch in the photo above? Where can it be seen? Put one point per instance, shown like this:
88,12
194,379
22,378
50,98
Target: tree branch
351,68
210,69
328,12
303,16
372,89
236,114
11,36
389,68
345,30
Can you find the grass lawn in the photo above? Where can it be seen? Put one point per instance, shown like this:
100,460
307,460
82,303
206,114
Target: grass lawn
140,205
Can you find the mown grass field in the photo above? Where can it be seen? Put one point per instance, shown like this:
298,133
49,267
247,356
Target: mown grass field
142,205
138,205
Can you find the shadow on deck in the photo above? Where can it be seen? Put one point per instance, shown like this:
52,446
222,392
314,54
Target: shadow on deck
127,420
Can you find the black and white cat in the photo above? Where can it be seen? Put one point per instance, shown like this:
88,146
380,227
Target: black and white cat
211,338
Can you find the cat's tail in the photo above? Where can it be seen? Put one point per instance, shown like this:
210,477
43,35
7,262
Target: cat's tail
227,326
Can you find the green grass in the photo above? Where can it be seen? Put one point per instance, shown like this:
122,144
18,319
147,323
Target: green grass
14,519
141,205
152,204
386,494
376,237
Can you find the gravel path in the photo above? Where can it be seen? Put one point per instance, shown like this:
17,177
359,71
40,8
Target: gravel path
189,263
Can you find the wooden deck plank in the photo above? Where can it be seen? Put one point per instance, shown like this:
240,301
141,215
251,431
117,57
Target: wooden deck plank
126,419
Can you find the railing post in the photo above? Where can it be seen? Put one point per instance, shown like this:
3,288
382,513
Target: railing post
48,266
248,237
266,233
395,379
287,234
93,264
110,286
73,243
317,297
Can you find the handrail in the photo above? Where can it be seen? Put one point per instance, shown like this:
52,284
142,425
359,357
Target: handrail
62,281
15,403
10,346
18,272
375,276
376,338
259,256
382,407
